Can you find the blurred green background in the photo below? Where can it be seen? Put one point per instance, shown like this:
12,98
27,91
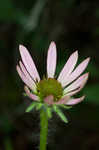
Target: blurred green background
73,25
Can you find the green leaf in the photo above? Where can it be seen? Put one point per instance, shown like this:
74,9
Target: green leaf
60,114
31,107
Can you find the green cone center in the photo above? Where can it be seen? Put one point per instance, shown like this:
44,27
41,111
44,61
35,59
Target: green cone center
48,87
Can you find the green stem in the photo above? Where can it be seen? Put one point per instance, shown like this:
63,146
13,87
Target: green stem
44,129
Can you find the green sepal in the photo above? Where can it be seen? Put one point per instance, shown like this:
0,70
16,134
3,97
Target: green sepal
31,107
60,113
49,112
65,106
24,94
38,106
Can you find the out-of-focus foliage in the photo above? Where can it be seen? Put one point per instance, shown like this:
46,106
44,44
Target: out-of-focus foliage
73,25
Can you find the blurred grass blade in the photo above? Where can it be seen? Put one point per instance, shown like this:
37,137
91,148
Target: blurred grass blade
8,144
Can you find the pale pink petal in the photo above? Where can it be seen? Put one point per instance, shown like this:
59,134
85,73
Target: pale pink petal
63,100
68,68
32,96
49,99
75,101
76,84
28,62
27,76
81,67
23,77
76,91
51,60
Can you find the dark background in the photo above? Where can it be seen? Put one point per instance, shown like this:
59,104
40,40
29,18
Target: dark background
73,25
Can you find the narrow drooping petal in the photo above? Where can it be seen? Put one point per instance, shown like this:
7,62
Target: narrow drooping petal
63,100
23,77
51,60
28,62
75,101
68,68
27,76
32,96
75,74
76,84
49,99
79,89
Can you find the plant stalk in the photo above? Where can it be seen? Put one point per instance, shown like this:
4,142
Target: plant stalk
44,129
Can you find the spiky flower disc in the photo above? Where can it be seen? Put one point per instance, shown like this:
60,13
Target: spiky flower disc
48,87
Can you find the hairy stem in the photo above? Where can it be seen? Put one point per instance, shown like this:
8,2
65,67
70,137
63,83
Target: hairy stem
44,129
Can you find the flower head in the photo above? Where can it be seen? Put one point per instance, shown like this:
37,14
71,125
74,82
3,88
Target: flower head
49,89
